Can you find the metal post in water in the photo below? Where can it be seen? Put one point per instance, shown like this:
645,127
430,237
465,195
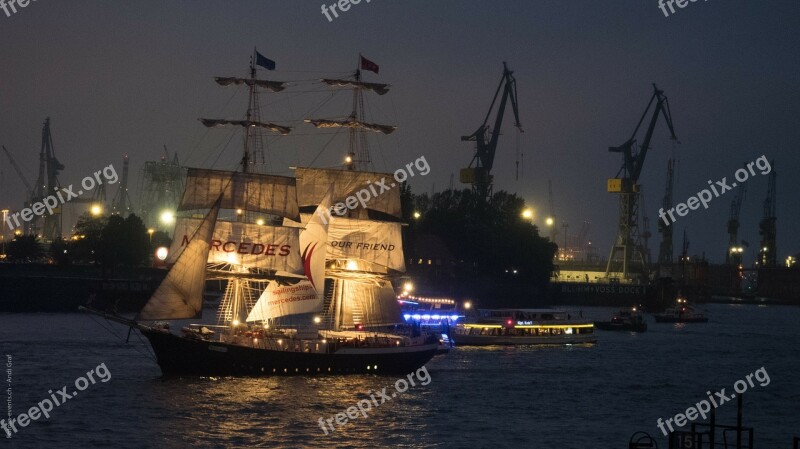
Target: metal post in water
713,427
739,421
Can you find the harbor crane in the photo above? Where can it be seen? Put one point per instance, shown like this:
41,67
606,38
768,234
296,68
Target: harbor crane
734,255
767,253
665,249
628,249
47,183
121,205
479,172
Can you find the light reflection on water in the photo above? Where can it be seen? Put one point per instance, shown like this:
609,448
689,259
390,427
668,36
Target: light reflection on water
539,397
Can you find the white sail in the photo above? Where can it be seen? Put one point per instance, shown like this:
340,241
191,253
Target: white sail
307,296
180,294
373,241
249,245
283,300
377,242
314,243
276,195
313,183
366,300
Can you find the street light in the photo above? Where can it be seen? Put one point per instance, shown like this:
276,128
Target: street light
150,232
549,221
527,214
417,215
3,235
96,210
167,217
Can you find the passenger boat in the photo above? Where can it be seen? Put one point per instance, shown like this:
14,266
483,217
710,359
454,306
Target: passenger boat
681,312
631,320
523,327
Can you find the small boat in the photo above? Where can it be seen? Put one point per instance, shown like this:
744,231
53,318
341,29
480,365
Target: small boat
681,312
523,327
626,320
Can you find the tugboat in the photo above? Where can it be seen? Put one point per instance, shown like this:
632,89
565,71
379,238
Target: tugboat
627,320
681,312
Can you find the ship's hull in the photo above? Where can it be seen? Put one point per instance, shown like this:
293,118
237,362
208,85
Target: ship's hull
676,319
626,327
179,355
489,340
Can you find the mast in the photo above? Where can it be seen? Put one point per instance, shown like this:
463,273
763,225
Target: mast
359,150
253,140
358,156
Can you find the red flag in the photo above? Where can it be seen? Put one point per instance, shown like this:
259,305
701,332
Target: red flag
366,64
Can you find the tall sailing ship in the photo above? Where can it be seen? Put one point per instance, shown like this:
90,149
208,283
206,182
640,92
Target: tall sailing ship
308,286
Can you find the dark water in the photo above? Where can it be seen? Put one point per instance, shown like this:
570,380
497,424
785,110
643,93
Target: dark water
532,397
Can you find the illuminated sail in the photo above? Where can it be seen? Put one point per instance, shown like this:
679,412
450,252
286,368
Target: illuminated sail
180,294
276,195
313,183
249,245
377,242
307,295
365,300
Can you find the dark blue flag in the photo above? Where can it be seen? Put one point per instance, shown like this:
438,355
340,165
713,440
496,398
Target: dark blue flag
267,63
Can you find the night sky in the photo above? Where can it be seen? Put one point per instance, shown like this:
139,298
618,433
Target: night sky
129,77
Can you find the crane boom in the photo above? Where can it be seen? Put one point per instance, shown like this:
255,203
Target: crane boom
479,171
19,172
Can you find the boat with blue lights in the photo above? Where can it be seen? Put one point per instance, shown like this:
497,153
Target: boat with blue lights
436,316
523,327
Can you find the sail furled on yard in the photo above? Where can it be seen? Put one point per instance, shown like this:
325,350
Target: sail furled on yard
275,86
250,245
313,184
216,123
351,123
378,88
269,194
180,294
